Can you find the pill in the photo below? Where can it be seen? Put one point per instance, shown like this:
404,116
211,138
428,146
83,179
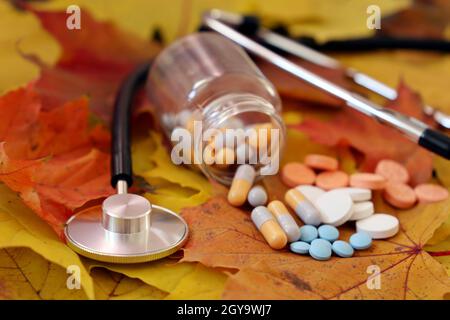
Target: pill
378,226
328,180
224,157
392,171
270,229
342,249
320,249
335,207
360,240
362,210
308,233
296,173
321,162
300,247
257,196
285,220
328,232
241,185
427,193
246,153
358,194
304,209
311,193
367,180
399,195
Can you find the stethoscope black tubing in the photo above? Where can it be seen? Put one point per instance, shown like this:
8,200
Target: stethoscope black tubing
121,166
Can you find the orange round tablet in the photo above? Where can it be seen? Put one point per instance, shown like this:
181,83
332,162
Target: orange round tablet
392,171
296,173
428,192
399,195
371,181
328,180
321,162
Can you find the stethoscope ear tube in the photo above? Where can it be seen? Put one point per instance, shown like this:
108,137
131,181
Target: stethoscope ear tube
414,129
121,166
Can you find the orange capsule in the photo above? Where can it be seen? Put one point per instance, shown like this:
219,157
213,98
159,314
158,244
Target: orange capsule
304,209
284,218
269,227
241,185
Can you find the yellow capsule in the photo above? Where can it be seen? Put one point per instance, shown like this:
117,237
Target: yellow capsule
241,185
304,209
269,227
284,218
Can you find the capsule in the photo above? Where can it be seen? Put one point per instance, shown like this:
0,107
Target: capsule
269,227
304,209
242,182
285,220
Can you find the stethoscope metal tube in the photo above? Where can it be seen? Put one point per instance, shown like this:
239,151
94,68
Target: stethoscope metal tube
299,50
414,129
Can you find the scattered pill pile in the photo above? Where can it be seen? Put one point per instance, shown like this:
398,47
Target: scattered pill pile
324,198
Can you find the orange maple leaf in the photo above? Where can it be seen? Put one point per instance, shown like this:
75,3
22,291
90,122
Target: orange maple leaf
93,62
53,159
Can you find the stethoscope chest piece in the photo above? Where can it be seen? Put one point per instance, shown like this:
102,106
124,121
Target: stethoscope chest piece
126,229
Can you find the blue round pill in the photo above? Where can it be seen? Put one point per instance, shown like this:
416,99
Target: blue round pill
360,240
308,233
320,249
328,232
300,247
342,249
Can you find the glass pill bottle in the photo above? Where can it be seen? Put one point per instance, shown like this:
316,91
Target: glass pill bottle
206,85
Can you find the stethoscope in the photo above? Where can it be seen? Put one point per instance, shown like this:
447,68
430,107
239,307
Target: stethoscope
129,229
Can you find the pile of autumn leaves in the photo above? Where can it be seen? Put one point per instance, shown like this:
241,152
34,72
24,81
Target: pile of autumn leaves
54,152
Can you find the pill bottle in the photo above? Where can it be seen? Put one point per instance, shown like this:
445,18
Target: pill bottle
205,78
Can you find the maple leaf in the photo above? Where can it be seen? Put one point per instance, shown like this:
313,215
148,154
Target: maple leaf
374,140
53,159
224,236
91,63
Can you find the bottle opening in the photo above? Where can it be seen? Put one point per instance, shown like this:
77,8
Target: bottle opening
239,129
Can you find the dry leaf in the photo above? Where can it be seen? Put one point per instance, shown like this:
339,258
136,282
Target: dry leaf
53,159
374,140
224,236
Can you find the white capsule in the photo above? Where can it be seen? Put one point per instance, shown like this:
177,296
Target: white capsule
269,227
257,196
241,185
284,218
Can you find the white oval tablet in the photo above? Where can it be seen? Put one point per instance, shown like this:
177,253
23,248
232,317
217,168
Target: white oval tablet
362,210
335,207
311,193
357,194
379,226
